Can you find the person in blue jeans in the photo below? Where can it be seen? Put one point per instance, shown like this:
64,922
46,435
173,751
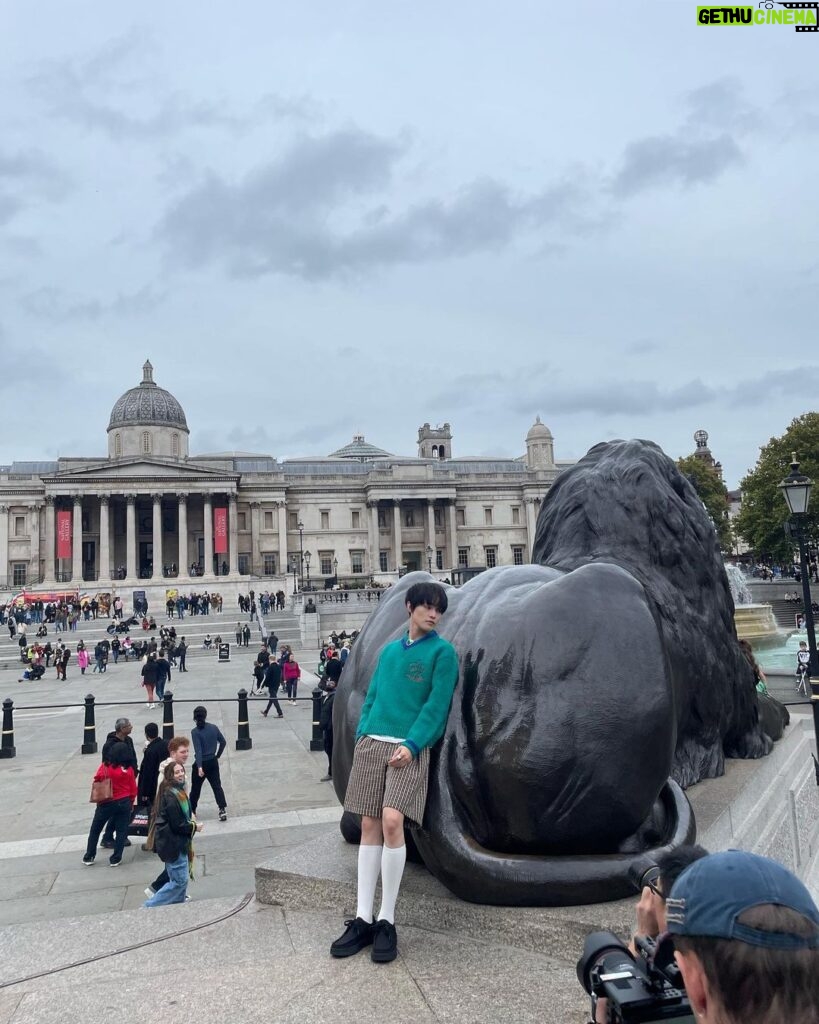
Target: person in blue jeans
173,836
117,767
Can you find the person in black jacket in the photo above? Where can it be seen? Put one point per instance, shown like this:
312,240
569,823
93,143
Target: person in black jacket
208,746
272,680
156,751
326,721
173,836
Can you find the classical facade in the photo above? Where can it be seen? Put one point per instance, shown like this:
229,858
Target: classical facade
151,512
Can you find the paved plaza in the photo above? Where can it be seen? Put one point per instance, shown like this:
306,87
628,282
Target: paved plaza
225,954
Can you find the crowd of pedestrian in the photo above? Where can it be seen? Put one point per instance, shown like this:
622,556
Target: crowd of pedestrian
159,785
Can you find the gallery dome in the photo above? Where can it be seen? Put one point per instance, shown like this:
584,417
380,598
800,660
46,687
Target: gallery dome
147,405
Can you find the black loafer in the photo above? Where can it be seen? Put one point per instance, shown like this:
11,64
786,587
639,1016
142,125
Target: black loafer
385,942
357,936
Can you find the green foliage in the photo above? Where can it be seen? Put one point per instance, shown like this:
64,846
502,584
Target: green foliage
764,512
713,494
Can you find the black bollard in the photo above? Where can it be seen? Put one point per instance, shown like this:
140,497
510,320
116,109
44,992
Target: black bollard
243,740
167,715
89,734
317,740
7,748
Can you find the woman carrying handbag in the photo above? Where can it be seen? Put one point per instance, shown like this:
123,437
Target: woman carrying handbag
114,790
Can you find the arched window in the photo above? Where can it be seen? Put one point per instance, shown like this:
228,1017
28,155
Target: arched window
435,451
442,452
117,445
146,442
174,444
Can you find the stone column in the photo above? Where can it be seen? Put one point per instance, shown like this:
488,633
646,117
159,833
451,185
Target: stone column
34,544
182,519
50,564
208,514
76,541
396,529
130,537
372,529
453,535
431,528
531,524
156,537
255,546
282,507
105,539
5,578
233,535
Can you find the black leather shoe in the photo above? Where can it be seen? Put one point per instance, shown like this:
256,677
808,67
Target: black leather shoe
358,936
385,942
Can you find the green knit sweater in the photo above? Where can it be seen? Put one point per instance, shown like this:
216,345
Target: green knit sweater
410,691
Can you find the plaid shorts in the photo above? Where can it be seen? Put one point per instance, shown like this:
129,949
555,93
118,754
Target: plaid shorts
373,785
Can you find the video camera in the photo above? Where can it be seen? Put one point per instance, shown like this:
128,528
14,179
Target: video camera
639,991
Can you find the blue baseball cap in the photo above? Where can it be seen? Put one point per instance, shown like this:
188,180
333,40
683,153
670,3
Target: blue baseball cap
711,894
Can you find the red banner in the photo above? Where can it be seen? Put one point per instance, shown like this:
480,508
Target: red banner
220,530
63,534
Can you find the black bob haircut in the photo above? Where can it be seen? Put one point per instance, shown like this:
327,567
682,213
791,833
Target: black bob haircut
432,594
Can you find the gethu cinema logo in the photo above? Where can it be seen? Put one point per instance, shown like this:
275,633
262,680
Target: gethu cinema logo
799,15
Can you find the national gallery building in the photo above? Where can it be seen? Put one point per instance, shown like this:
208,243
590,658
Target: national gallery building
151,512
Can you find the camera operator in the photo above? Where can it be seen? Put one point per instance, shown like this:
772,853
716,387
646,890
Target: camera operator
657,880
746,935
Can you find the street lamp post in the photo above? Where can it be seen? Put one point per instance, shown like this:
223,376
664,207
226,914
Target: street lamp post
429,558
293,569
301,554
335,570
307,562
796,488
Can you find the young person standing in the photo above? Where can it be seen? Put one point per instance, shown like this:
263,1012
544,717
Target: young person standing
404,714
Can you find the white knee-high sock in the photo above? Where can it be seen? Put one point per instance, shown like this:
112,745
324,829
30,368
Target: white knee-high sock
369,865
392,868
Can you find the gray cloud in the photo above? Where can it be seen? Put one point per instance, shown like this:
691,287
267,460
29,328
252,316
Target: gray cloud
261,441
27,177
525,390
699,150
70,89
673,160
53,305
314,213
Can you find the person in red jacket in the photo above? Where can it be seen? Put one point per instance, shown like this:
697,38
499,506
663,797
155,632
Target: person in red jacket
291,673
118,769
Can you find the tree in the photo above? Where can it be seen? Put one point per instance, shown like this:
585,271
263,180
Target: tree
712,493
764,512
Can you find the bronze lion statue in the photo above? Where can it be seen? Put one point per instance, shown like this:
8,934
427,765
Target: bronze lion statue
595,684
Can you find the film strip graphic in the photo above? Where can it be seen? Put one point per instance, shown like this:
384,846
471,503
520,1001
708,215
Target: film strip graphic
814,6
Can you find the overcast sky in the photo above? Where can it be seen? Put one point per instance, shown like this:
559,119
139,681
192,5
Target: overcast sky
325,219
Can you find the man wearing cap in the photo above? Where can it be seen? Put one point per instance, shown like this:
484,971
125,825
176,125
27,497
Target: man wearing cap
746,934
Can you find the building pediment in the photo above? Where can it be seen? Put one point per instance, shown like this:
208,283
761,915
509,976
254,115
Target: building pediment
136,470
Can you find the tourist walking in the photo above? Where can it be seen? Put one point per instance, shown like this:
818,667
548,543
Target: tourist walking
272,680
149,677
116,812
163,675
291,674
82,658
208,746
178,752
326,722
174,829
156,751
182,653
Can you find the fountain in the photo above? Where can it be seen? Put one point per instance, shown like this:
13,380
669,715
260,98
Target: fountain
754,622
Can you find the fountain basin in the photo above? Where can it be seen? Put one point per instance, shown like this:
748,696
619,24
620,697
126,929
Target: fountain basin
755,622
